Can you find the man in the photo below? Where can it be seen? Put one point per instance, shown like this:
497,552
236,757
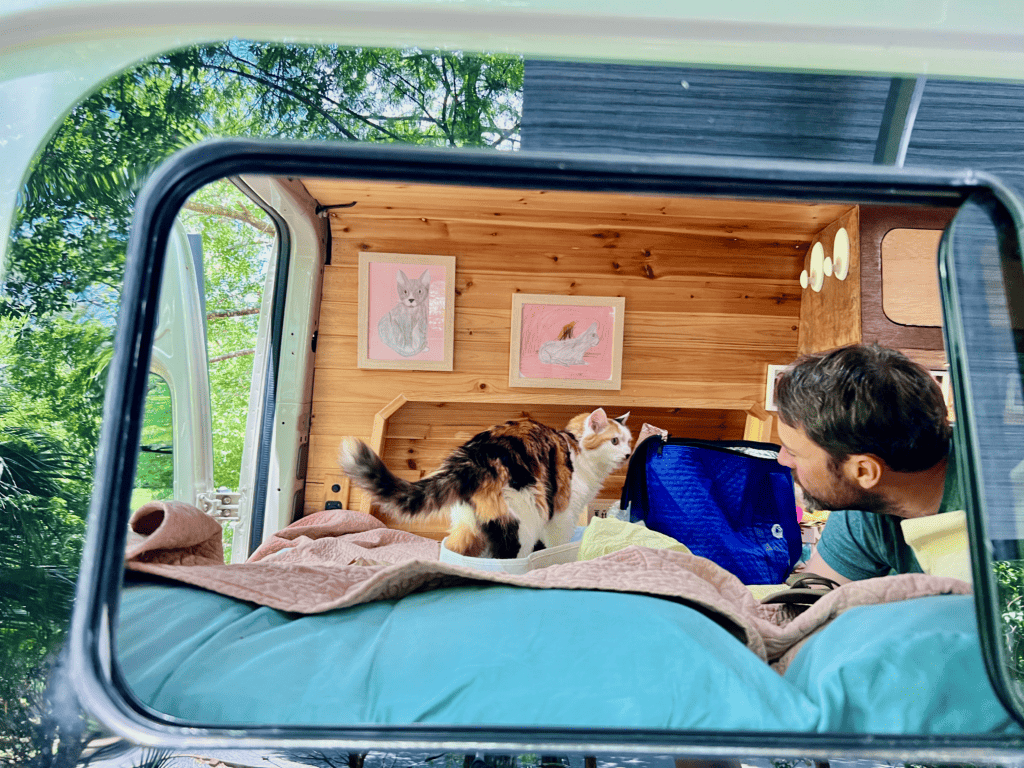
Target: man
865,432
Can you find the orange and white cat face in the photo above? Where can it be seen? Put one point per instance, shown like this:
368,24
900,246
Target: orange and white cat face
606,438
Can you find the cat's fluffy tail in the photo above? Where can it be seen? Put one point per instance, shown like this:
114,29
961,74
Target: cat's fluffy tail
368,471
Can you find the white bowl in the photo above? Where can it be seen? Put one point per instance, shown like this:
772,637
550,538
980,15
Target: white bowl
563,553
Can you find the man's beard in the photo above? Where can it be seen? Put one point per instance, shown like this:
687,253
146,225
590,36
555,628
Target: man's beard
847,495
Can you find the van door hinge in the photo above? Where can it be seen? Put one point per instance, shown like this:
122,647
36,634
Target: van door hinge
221,505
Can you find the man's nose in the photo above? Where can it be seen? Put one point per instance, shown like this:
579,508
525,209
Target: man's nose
785,458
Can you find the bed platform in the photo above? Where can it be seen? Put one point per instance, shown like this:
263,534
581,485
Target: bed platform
342,621
503,655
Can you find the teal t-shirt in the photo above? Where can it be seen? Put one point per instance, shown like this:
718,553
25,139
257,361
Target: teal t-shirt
863,545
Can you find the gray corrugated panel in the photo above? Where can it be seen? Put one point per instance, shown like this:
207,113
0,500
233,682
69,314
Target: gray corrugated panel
572,106
595,107
974,125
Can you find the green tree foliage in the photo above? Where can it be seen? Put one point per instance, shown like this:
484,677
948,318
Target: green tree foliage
1010,584
59,296
41,527
68,246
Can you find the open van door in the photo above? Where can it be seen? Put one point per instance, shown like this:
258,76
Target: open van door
268,493
179,364
274,454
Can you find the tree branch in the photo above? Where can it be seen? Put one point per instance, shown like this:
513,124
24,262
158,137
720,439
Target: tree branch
504,135
229,355
241,215
446,116
309,103
417,98
270,84
220,314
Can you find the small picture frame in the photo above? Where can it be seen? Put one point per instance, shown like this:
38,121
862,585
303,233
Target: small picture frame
566,342
406,311
941,375
774,372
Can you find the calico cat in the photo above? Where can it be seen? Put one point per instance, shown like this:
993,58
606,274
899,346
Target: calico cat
404,327
512,489
566,350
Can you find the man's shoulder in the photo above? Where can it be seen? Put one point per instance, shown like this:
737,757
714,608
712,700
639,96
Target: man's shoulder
859,544
854,520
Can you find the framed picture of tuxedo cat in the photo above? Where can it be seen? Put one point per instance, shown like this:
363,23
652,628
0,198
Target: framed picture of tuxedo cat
406,311
567,342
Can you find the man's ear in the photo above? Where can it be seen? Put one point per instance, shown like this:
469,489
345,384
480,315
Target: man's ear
864,469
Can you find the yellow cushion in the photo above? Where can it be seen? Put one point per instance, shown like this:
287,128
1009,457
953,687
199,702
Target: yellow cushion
761,591
940,544
608,534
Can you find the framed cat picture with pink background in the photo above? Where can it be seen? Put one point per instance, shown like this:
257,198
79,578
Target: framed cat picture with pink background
568,342
406,311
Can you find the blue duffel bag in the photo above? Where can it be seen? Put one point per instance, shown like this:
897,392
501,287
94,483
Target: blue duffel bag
728,501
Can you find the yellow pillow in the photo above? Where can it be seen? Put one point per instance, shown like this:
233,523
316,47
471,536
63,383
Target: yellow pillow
608,534
761,591
940,544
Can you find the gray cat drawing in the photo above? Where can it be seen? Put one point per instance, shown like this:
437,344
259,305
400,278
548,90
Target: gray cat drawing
566,350
404,327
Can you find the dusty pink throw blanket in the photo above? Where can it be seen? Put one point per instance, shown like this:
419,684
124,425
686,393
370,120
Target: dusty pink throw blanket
339,558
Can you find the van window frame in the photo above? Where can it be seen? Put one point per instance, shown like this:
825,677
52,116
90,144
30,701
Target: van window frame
99,683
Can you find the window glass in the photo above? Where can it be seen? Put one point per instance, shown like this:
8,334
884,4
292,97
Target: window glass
910,285
154,477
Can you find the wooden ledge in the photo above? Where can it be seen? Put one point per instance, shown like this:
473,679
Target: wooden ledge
758,427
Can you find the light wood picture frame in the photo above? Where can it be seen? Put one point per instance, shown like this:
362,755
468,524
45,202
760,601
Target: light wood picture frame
406,311
772,378
566,342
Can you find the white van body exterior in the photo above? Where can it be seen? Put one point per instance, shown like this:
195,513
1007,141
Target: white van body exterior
54,52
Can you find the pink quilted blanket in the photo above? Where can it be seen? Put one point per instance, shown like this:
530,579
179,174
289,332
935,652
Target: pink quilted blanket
339,558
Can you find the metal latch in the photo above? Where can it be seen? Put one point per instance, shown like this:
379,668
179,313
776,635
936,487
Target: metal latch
222,504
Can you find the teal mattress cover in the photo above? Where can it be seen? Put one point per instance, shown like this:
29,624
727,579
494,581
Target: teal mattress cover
500,655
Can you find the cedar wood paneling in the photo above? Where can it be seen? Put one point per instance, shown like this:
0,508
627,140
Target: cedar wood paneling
712,297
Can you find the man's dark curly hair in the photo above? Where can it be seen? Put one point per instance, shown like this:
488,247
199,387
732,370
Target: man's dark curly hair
866,398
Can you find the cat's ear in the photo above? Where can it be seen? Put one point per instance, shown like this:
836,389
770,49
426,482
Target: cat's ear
425,277
597,421
622,419
402,279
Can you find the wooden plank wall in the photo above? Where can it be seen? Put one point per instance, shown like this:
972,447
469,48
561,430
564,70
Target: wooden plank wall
712,297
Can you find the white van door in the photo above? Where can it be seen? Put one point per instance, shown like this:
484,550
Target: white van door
179,365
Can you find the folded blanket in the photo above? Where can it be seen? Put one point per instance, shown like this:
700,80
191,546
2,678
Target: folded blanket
312,567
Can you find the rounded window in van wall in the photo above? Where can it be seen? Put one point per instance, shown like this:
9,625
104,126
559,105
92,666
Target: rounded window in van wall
327,617
910,286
